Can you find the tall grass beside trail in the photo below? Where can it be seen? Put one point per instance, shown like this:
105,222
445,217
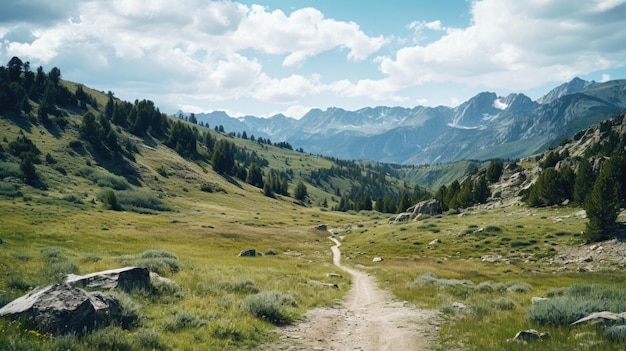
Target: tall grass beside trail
567,305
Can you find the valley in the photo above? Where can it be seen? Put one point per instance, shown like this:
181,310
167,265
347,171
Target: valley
93,183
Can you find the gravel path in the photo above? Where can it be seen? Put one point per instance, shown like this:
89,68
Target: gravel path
369,319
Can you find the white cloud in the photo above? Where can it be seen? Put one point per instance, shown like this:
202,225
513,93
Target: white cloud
302,34
287,90
194,48
511,44
605,77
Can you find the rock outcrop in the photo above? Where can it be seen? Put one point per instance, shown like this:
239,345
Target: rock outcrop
530,335
62,308
430,207
247,253
126,279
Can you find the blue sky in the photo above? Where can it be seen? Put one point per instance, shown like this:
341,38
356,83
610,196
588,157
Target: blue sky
266,57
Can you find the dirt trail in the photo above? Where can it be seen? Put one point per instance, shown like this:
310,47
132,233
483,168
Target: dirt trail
369,319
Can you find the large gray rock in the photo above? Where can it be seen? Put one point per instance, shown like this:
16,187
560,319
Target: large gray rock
62,308
525,336
127,279
430,207
604,317
247,253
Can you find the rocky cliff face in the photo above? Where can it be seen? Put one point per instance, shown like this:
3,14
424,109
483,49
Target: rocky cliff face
484,127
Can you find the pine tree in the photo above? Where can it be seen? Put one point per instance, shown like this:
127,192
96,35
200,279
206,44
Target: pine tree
255,176
602,204
300,192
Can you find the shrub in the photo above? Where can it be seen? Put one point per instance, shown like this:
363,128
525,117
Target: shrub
10,169
562,311
162,266
15,281
158,254
270,252
104,179
56,271
53,253
10,190
131,314
504,304
242,286
108,198
493,229
431,279
616,333
91,258
269,305
135,200
110,338
182,320
518,287
148,339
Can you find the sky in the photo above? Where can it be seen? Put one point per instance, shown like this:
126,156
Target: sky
266,57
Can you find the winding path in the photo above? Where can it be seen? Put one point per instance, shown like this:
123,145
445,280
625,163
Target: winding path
369,319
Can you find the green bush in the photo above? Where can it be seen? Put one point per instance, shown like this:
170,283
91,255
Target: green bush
131,311
242,286
104,179
182,320
269,305
504,304
55,272
562,311
270,252
10,169
518,287
158,254
136,200
616,333
16,282
148,339
53,253
9,190
493,229
163,265
110,338
90,258
431,279
108,198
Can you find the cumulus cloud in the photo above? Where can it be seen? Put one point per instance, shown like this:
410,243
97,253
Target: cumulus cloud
224,50
512,44
200,48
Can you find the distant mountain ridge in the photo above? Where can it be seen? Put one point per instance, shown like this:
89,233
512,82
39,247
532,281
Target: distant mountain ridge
484,127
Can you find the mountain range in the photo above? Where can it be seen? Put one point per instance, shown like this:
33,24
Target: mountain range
484,127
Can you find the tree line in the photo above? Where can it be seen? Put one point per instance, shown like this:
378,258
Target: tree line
599,187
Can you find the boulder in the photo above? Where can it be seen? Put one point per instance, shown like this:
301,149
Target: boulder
459,305
62,308
605,317
430,207
403,217
126,279
247,253
530,335
377,259
322,227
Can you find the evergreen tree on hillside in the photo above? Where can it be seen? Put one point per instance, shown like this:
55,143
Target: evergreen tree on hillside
602,204
481,190
494,171
583,182
182,139
255,175
300,192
